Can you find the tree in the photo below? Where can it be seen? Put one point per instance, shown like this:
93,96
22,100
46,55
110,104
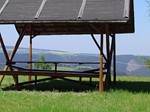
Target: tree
43,66
147,62
148,2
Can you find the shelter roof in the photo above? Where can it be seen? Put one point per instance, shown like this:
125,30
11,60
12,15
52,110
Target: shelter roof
68,16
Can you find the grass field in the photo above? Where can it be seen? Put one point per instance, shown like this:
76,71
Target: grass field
131,94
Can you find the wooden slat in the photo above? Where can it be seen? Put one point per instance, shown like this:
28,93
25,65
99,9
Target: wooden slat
126,9
82,9
40,9
54,62
4,6
40,73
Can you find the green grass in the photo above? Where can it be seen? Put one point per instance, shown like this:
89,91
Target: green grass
131,94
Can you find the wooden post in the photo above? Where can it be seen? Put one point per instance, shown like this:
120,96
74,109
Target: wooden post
108,75
30,56
14,52
90,80
101,85
114,59
80,79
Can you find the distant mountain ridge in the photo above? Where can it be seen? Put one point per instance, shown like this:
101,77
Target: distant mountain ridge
126,64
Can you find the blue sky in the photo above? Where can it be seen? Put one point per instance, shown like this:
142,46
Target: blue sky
136,44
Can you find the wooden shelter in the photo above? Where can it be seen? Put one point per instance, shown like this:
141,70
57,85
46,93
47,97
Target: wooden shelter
67,17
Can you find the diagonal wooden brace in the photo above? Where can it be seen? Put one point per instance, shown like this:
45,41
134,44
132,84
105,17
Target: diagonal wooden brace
10,58
7,58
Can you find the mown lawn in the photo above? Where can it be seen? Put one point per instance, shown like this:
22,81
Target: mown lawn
131,94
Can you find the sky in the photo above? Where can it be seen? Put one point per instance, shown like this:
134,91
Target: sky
137,43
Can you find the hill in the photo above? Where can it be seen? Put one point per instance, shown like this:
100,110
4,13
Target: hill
126,64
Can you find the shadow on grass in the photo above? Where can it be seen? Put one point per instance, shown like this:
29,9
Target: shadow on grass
57,85
134,87
67,86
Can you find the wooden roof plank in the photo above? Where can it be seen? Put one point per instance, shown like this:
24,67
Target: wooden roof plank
82,9
61,16
4,6
126,9
40,9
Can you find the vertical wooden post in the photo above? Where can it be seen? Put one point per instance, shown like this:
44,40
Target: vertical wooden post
17,81
114,59
30,56
101,85
80,79
30,53
90,80
108,75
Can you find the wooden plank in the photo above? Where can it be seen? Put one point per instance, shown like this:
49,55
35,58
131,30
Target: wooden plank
40,9
54,62
4,6
82,9
55,75
126,9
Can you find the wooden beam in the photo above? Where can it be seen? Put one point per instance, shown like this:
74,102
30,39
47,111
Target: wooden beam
99,47
113,52
38,33
14,51
55,75
18,42
114,60
101,85
7,58
108,75
30,52
30,57
35,81
95,28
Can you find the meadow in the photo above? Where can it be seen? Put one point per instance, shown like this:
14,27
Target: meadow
130,94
